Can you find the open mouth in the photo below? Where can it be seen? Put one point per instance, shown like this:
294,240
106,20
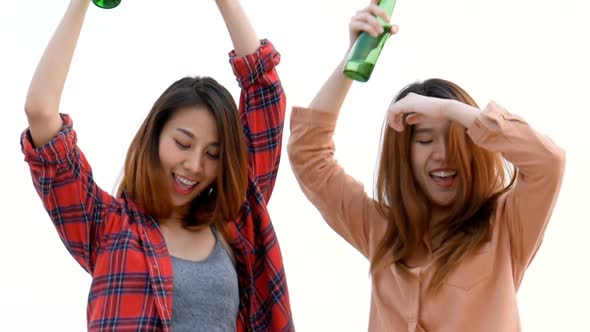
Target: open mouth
183,185
443,178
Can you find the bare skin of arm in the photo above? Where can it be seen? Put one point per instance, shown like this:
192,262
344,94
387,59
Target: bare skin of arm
240,30
45,89
332,94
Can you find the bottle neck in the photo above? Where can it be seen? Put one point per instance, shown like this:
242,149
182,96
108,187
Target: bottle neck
387,6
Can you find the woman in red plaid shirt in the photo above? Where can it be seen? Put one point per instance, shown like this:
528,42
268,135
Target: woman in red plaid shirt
187,243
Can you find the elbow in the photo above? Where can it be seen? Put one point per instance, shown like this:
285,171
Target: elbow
292,153
301,161
33,112
557,158
39,106
300,152
32,108
555,164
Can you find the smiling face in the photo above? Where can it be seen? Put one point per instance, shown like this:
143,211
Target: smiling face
434,182
189,154
429,161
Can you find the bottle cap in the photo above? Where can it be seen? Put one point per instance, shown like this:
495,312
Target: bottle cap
106,4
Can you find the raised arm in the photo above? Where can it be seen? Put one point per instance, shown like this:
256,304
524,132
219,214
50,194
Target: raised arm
262,99
240,30
62,177
332,94
526,209
43,97
340,199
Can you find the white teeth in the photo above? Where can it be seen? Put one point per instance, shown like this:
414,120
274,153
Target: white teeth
184,181
443,174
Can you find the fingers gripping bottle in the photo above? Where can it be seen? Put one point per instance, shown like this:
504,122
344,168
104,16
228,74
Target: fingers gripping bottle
107,4
366,49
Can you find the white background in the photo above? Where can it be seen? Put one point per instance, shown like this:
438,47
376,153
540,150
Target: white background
529,56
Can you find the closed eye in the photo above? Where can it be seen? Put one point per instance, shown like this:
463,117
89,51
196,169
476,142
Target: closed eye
182,146
424,142
212,155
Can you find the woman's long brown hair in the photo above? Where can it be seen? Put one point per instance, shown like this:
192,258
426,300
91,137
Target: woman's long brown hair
144,179
483,178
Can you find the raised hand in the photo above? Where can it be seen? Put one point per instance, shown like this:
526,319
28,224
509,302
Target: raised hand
414,108
365,20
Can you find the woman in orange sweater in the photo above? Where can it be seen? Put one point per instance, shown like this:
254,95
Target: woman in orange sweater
449,233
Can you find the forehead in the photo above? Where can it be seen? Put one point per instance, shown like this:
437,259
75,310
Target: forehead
432,126
197,120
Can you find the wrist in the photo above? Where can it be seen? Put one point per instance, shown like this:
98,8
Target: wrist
460,112
340,70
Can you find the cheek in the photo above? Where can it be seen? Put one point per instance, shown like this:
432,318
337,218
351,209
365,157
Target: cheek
166,153
161,151
418,159
212,170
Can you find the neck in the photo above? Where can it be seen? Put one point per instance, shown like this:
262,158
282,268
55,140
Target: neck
176,218
437,216
438,213
171,223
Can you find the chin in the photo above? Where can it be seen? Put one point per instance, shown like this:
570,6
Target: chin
442,202
177,203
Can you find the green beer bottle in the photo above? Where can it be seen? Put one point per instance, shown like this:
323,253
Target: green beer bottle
107,4
366,49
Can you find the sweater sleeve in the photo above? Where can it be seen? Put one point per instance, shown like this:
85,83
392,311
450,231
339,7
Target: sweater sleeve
527,208
341,200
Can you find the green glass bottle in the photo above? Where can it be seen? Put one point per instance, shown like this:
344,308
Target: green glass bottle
107,4
366,49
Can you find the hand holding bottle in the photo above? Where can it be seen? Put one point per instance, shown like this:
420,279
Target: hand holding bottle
369,30
366,20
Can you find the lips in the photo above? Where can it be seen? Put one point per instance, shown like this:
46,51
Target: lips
183,185
444,178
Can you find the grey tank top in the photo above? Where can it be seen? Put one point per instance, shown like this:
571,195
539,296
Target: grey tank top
205,295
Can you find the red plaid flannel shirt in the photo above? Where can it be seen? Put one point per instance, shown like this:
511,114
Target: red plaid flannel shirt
122,248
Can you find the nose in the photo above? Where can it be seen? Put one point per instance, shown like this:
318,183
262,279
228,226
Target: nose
440,150
194,163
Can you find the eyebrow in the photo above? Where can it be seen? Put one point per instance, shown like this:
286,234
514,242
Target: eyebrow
423,130
186,132
192,136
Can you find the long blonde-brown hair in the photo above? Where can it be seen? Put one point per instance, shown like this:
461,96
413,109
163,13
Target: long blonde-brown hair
483,178
144,178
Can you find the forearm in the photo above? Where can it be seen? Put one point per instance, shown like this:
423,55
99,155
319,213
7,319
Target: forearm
241,32
45,89
262,112
461,112
332,94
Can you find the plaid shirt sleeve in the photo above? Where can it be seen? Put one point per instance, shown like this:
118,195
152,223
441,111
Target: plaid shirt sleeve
264,300
262,110
63,179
